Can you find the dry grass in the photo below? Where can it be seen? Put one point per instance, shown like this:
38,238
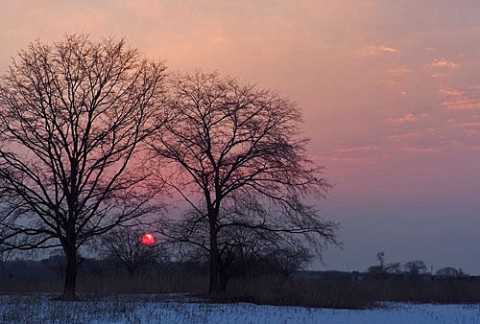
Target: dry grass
308,291
353,294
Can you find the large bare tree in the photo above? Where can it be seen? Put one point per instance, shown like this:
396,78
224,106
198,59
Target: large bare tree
235,154
244,251
72,117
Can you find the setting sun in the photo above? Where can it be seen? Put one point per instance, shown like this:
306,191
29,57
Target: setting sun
148,239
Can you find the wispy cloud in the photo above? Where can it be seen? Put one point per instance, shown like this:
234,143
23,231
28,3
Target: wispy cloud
471,133
373,50
468,124
444,64
402,137
359,149
462,104
408,118
417,149
399,71
352,159
451,93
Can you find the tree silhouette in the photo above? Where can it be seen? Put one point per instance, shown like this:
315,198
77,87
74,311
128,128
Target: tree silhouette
243,251
451,272
72,116
235,155
126,245
415,268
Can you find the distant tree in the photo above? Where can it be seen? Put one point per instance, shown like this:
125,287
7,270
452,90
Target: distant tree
380,268
450,272
126,245
393,268
415,268
72,117
375,270
4,252
56,262
381,259
236,157
288,260
5,256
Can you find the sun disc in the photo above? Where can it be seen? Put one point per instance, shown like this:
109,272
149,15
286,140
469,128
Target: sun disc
148,239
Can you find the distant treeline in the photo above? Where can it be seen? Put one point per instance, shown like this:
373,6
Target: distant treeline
333,289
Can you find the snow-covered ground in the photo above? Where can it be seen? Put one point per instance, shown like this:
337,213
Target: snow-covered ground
156,309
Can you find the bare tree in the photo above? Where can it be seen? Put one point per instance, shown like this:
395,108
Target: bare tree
125,244
236,157
72,116
5,253
415,268
380,269
381,260
450,272
288,260
393,268
243,251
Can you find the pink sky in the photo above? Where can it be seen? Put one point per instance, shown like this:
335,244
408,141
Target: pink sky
390,92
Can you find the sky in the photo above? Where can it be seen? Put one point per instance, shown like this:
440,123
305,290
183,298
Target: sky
389,89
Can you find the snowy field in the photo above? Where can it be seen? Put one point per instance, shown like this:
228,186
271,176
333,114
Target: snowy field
157,309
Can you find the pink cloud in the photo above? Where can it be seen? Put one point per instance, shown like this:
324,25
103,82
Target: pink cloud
443,63
470,124
471,133
462,104
408,118
451,93
401,137
416,149
374,50
359,149
399,71
352,159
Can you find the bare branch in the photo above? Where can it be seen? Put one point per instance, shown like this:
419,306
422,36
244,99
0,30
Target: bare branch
73,118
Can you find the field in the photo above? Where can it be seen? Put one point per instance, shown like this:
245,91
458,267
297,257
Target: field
177,294
174,308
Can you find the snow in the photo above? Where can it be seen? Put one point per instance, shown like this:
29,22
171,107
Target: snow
37,308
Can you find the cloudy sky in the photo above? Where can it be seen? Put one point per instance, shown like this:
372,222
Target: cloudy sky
390,91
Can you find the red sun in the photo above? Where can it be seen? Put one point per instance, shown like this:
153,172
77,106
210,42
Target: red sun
148,239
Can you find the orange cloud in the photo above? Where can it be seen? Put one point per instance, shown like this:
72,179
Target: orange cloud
462,104
408,118
443,63
401,137
452,93
400,71
373,50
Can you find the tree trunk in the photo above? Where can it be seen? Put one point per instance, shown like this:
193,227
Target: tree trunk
131,272
215,287
69,290
223,278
